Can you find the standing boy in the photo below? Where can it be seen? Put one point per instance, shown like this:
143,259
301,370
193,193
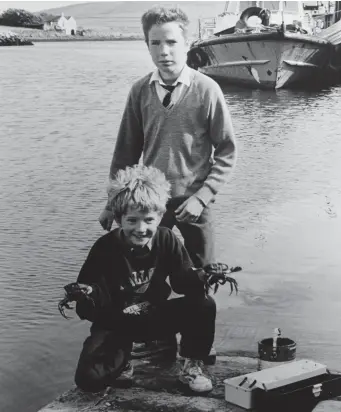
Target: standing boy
124,277
173,118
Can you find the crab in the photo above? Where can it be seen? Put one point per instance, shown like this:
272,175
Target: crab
74,292
217,275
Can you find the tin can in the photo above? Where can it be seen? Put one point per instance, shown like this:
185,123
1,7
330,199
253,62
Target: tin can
269,355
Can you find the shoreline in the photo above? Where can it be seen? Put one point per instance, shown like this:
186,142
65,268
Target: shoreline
20,36
60,39
10,39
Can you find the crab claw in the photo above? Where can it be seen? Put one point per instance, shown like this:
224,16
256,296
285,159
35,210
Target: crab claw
235,269
233,284
64,303
216,286
62,312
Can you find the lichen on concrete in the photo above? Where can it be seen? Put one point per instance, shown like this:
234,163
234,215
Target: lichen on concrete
155,389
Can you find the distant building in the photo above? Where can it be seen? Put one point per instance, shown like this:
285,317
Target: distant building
63,23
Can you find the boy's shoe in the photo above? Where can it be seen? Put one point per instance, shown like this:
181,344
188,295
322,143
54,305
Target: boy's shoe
125,380
167,348
192,376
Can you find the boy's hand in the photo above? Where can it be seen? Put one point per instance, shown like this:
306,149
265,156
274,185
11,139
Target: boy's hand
75,292
190,210
106,219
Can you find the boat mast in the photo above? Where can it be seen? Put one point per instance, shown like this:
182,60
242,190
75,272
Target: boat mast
281,10
337,11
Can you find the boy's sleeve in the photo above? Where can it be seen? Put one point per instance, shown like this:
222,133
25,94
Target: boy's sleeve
129,143
90,274
130,138
183,278
221,133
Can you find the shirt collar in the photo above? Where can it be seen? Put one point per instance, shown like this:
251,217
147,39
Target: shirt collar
184,77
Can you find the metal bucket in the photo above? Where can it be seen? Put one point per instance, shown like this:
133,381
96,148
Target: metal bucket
284,352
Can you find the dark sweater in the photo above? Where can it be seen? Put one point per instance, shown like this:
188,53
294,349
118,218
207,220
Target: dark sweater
120,278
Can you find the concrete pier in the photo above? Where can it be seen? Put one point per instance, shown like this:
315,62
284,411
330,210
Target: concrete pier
155,390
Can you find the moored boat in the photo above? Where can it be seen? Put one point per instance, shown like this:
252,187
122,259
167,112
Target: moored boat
281,51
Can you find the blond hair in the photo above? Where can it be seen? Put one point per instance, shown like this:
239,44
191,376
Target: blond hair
139,187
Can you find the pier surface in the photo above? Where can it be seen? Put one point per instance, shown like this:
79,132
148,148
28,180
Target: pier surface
155,389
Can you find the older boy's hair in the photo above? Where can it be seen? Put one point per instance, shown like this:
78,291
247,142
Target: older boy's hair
140,187
161,15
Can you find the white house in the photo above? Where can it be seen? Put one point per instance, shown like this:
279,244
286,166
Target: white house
63,23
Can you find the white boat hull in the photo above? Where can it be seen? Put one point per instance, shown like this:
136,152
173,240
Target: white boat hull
269,60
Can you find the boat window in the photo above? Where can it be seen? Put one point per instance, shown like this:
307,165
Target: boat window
239,6
246,4
291,6
232,7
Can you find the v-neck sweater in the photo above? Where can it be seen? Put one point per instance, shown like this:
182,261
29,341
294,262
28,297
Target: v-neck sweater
179,141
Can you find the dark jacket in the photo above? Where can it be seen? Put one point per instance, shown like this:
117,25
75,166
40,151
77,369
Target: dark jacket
115,274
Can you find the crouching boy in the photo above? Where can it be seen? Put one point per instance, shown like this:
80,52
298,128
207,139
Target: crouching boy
126,298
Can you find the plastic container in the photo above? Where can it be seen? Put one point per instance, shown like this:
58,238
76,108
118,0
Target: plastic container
239,395
242,390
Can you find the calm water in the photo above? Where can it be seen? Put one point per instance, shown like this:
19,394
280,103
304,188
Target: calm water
279,217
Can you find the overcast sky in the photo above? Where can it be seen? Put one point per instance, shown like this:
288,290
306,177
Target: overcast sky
37,5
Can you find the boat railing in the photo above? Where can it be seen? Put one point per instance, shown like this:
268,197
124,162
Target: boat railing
312,22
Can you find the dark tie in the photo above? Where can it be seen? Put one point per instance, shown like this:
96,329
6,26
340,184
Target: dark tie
167,98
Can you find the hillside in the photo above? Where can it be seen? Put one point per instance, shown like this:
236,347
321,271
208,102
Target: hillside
125,16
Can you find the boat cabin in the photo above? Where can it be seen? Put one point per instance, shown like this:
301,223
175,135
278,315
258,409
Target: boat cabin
295,13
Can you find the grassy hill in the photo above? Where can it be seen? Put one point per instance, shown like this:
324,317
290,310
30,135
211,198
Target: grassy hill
125,16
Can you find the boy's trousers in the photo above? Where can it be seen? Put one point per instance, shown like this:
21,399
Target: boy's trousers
106,352
198,236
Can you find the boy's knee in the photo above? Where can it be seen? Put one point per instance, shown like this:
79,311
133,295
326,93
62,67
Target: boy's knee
88,379
203,304
210,303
